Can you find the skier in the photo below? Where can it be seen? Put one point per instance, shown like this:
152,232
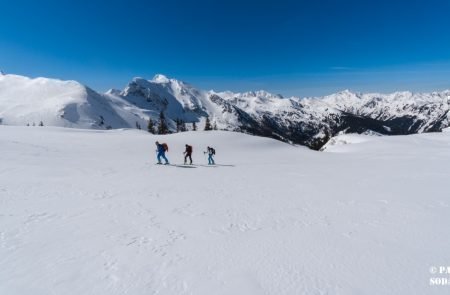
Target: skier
188,154
161,149
211,152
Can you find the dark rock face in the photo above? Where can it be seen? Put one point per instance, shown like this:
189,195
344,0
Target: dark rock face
315,134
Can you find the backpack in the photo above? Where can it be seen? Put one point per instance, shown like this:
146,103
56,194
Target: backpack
166,147
213,151
189,149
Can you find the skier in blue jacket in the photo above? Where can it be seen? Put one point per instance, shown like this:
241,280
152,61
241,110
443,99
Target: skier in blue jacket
161,149
211,152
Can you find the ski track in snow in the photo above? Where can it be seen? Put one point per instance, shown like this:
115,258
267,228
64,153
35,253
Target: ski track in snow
90,213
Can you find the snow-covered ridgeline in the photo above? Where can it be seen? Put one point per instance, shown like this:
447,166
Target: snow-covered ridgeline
308,121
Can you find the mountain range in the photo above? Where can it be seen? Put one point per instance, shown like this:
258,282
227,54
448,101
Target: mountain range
310,121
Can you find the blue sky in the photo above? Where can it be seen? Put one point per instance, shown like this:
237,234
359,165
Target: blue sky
302,48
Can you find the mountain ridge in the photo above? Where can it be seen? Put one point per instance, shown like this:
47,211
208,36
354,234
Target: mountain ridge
309,121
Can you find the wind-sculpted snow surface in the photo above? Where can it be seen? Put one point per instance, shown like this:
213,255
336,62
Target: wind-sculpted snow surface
89,212
308,121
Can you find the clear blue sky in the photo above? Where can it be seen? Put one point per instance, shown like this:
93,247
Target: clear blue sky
299,47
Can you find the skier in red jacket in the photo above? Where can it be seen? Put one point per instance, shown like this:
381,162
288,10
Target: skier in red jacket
188,154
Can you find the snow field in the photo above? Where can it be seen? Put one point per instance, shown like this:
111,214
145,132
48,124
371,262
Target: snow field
88,212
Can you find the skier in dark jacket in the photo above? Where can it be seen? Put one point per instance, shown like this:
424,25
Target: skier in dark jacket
188,154
161,149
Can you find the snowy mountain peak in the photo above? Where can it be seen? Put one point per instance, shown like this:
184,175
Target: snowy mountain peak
139,81
345,92
261,94
160,78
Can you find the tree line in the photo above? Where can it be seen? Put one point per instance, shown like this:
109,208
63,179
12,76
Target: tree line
161,127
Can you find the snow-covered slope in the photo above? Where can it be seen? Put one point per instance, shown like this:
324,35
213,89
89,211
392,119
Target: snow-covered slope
88,212
335,143
61,103
177,99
